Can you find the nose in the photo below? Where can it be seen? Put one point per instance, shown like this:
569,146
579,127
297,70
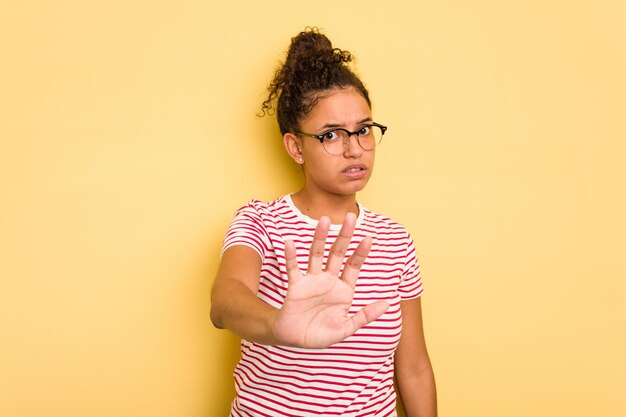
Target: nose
352,146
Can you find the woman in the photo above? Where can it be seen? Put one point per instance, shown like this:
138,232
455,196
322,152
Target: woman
324,293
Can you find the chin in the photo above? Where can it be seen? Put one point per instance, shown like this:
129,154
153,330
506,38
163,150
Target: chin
354,187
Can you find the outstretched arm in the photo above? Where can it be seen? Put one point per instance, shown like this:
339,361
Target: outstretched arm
315,310
234,304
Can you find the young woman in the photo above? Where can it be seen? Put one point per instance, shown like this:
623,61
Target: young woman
324,293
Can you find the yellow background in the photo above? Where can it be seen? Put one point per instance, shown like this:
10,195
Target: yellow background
128,138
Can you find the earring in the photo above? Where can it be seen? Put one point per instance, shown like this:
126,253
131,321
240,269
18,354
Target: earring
301,160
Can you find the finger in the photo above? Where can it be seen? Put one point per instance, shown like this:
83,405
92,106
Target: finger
366,315
316,254
291,262
339,248
353,264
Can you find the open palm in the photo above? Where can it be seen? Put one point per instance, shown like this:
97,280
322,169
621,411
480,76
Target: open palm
315,311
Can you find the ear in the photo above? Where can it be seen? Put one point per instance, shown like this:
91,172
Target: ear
293,145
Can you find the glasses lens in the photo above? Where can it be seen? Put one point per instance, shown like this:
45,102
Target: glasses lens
334,141
370,136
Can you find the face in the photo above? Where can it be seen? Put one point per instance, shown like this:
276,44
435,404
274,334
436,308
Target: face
343,174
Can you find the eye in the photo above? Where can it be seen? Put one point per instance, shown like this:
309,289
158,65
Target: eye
364,131
330,136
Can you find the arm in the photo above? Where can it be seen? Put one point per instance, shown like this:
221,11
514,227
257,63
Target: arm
414,373
234,304
314,313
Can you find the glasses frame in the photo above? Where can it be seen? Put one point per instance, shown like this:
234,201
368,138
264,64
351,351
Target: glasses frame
320,137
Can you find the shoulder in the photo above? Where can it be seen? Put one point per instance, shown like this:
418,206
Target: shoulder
262,207
252,225
265,212
379,223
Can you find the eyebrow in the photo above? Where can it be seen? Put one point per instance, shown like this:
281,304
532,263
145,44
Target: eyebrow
335,125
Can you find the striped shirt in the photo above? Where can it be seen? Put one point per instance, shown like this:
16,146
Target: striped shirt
352,378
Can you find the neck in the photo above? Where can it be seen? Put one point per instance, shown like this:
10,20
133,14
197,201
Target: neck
317,205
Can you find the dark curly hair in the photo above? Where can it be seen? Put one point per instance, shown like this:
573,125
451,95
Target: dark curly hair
312,68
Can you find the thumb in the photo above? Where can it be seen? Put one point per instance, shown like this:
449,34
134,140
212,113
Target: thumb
366,315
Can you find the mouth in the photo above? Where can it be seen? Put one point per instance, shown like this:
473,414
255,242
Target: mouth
354,168
355,171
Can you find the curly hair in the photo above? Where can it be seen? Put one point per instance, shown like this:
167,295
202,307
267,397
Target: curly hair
311,70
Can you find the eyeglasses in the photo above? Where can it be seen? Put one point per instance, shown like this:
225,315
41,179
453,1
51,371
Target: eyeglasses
335,141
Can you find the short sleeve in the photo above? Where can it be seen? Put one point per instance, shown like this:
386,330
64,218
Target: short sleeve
411,281
247,229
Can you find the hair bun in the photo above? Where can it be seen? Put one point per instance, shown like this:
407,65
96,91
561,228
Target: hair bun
310,51
312,66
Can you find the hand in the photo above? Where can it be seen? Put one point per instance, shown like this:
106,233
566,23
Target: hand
315,311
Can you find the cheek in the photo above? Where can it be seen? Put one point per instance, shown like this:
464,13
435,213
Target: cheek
321,167
318,169
369,157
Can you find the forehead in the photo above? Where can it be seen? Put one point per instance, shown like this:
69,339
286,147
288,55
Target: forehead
341,107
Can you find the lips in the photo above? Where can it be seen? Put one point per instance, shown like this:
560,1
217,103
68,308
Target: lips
355,171
354,168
